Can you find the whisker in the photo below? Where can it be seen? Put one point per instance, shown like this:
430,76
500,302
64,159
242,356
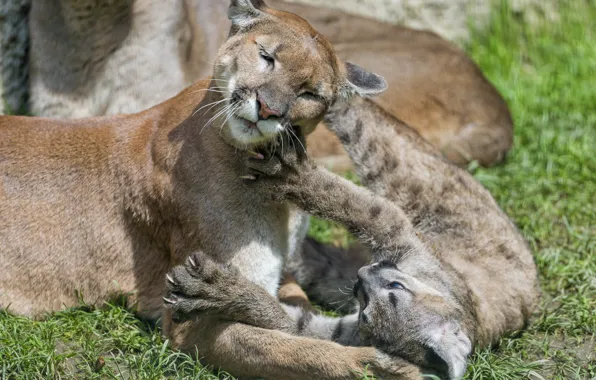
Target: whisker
207,89
274,143
210,108
213,104
219,111
290,139
292,132
282,145
341,306
230,113
223,110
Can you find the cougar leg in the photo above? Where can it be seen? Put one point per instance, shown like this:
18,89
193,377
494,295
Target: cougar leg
249,351
292,294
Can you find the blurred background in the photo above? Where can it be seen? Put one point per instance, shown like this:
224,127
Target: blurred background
451,19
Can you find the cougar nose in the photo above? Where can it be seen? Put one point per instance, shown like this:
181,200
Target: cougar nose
265,111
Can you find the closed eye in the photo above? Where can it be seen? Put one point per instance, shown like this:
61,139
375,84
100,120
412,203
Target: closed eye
396,285
311,95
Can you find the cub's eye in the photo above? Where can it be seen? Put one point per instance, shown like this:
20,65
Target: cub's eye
395,285
267,58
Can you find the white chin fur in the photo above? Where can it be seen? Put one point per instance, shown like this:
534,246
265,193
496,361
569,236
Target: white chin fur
265,131
269,128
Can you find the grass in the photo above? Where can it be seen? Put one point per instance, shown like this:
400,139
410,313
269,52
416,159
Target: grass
547,73
548,186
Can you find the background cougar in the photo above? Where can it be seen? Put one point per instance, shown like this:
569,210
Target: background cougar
90,58
110,204
449,268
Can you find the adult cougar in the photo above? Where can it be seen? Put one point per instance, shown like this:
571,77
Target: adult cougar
449,269
111,204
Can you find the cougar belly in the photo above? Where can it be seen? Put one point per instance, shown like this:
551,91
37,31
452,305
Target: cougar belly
262,263
277,235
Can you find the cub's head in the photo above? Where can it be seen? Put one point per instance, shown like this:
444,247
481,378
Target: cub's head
276,71
414,319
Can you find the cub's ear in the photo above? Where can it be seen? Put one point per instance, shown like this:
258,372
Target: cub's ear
244,12
362,82
451,346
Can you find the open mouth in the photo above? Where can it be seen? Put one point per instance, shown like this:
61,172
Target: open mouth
359,290
356,289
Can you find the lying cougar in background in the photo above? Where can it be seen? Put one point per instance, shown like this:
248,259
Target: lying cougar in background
111,204
92,58
450,270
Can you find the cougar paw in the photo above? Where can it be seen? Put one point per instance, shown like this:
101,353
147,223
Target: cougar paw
287,153
196,287
269,167
266,177
387,367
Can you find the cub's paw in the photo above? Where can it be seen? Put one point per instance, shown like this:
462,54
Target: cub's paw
279,170
200,286
386,367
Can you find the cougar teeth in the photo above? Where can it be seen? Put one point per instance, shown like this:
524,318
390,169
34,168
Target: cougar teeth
169,301
192,262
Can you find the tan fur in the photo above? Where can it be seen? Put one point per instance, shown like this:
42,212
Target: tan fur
464,274
90,60
455,216
96,206
433,220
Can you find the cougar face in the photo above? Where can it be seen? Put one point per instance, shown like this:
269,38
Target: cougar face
276,71
403,315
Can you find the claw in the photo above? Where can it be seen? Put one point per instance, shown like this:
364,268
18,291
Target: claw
169,301
170,279
256,155
192,262
248,177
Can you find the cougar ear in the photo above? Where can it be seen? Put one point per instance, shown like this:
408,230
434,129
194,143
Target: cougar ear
362,82
451,345
244,12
